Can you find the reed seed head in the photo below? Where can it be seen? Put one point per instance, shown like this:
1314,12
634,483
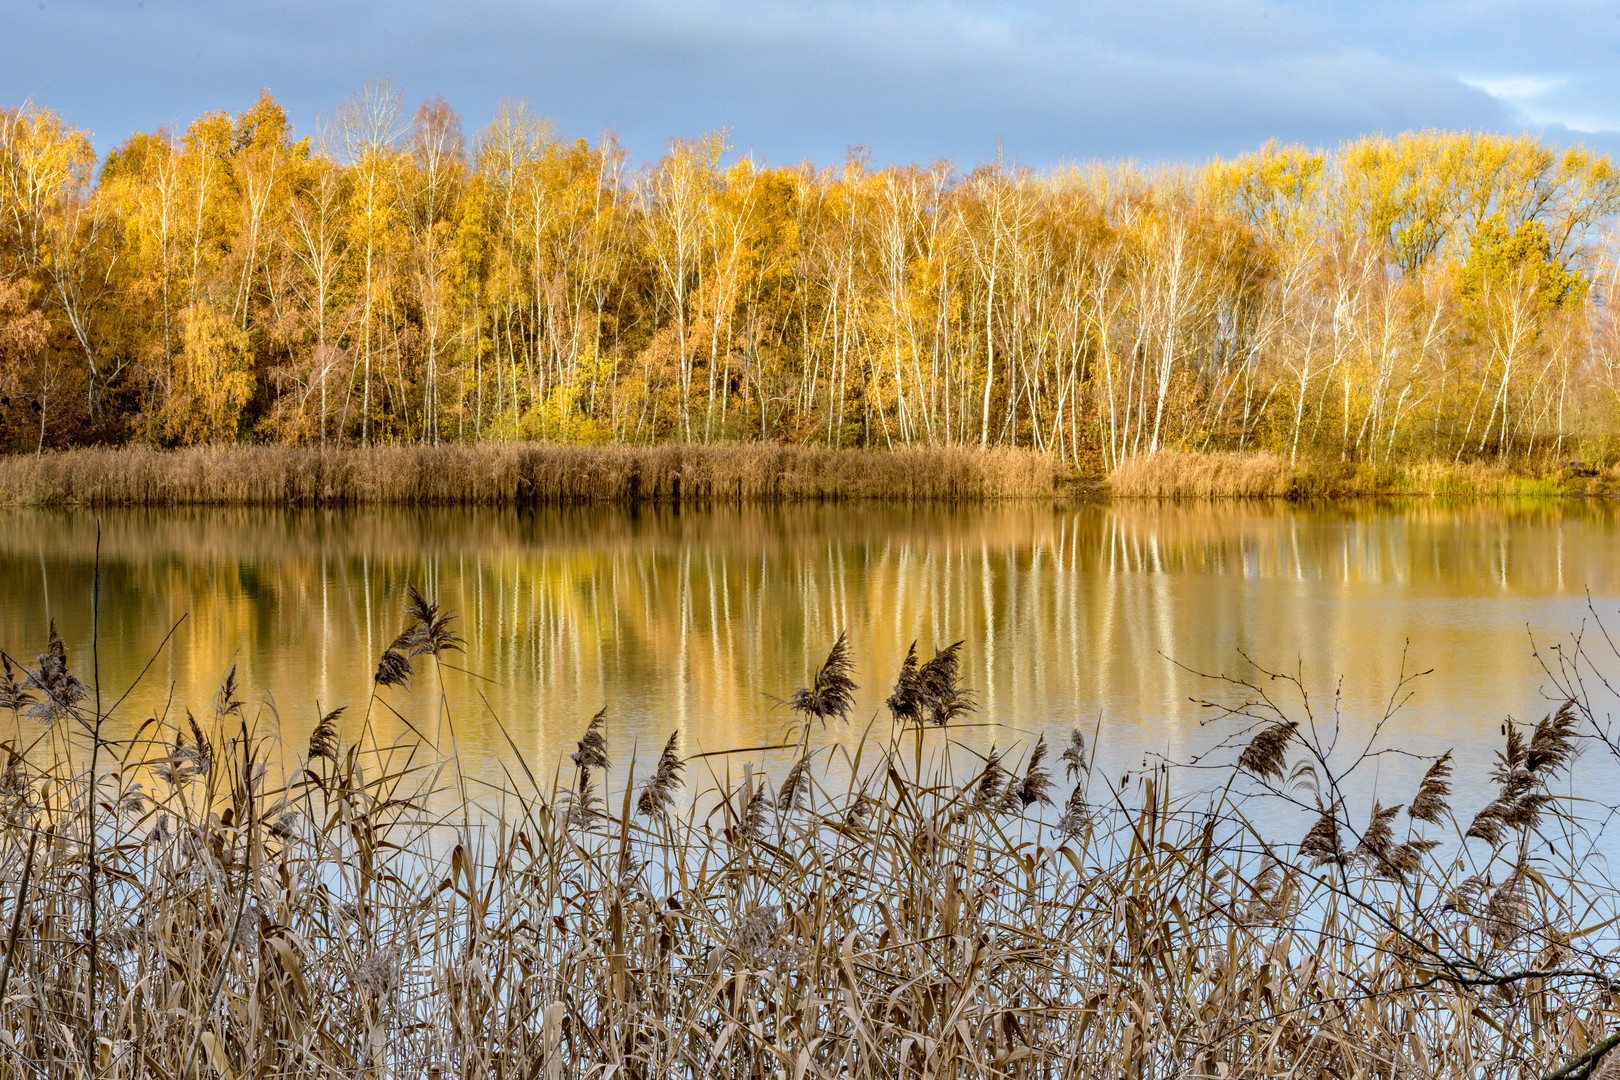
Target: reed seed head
593,747
1434,789
1075,762
1037,779
585,808
832,692
905,702
226,703
1378,850
1266,756
61,689
394,666
432,626
323,742
944,697
796,785
1506,915
658,794
1322,844
13,695
1076,817
755,814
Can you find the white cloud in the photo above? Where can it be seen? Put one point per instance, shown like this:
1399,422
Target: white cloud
1517,89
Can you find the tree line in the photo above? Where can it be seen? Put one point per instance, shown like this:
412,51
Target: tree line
1433,295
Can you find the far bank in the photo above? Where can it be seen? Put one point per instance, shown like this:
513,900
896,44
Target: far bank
1259,475
494,474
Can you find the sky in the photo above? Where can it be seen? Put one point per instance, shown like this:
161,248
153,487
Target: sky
1041,83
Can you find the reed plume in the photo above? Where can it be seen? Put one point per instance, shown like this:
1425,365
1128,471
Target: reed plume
285,824
988,789
61,689
427,633
905,702
796,785
226,701
585,807
1522,773
860,813
1430,803
755,814
944,698
1037,779
323,742
754,942
1075,762
658,794
593,747
1266,756
1262,905
13,695
1378,851
14,778
1076,814
430,625
1506,915
831,693
1552,745
394,666
1322,844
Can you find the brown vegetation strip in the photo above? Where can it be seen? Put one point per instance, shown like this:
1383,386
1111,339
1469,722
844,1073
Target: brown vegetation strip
493,474
1173,474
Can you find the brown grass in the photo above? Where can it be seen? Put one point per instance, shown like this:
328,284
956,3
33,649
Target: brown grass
518,473
910,911
1172,474
1176,475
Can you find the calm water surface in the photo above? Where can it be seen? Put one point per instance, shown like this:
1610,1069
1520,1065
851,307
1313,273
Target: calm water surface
1107,617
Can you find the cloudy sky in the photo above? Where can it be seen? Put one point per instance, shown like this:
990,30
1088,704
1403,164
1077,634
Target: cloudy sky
912,81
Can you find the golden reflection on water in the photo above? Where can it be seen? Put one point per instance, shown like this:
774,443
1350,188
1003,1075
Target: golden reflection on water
693,619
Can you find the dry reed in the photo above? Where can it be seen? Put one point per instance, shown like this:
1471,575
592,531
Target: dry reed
522,473
919,917
1172,474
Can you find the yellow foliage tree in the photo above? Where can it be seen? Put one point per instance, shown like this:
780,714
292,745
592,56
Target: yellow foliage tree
213,380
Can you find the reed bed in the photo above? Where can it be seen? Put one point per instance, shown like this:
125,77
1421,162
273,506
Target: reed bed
517,473
1173,474
892,906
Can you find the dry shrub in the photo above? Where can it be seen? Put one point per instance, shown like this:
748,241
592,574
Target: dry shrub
505,473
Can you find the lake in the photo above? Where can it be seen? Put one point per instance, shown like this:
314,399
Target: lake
1110,617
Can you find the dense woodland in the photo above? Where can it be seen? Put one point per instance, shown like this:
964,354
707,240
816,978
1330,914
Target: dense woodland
1434,296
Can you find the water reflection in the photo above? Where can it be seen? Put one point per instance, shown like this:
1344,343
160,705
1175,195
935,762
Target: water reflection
692,619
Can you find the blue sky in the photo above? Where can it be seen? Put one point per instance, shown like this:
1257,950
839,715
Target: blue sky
913,81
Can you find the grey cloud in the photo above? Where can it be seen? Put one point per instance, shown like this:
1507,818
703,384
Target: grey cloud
1571,45
914,81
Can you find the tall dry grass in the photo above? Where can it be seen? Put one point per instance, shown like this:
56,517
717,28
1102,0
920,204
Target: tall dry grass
507,473
896,907
1173,474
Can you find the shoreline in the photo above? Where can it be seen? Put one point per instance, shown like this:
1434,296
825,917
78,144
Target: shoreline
1176,475
501,474
526,474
